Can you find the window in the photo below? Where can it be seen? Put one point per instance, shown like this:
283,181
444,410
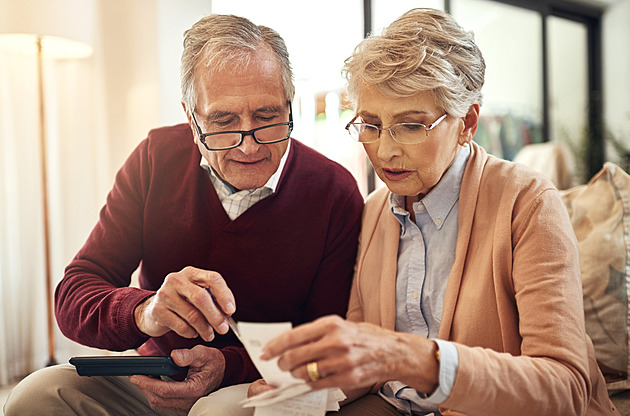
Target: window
568,81
510,39
543,77
320,36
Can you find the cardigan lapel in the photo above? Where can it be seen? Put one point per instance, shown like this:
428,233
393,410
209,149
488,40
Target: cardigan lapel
381,232
391,239
390,231
467,203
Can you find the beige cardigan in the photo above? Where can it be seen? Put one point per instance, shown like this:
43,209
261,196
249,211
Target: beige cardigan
513,303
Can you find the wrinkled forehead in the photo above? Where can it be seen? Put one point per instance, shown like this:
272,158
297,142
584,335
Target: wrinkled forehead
235,59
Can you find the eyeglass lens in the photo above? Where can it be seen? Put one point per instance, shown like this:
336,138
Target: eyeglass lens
266,134
402,133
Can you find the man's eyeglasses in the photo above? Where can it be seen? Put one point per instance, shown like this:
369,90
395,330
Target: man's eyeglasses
403,133
224,140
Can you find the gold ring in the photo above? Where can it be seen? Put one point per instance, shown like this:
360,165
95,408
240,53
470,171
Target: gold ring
313,371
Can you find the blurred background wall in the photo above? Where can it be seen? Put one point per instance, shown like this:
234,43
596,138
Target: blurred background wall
100,107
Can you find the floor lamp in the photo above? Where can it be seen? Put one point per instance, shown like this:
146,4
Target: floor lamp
47,29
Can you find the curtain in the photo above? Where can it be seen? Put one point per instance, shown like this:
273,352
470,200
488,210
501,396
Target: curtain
77,183
97,110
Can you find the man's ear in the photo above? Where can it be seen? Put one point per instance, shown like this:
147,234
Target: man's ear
471,123
190,121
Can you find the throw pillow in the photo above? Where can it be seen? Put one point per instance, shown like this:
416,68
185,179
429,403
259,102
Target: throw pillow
600,215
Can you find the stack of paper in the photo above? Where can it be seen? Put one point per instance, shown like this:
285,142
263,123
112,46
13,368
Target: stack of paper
292,395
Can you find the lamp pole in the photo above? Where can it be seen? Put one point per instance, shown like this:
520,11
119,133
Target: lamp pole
44,165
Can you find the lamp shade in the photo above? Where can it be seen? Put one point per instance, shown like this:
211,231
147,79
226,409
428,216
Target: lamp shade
66,27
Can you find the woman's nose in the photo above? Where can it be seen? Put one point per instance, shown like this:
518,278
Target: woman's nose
387,146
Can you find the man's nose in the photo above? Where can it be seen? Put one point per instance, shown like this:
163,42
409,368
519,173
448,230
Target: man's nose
249,145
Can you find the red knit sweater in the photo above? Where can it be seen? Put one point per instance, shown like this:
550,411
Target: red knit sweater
289,257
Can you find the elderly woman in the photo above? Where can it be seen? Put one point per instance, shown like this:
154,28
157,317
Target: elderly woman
467,283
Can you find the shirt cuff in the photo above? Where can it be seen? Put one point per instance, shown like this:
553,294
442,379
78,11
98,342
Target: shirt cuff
449,361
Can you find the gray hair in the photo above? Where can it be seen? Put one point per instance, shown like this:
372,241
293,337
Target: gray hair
423,50
227,39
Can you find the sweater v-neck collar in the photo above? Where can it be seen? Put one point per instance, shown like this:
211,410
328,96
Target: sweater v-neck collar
249,215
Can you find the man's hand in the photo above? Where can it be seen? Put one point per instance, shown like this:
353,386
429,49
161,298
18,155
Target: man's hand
205,373
184,305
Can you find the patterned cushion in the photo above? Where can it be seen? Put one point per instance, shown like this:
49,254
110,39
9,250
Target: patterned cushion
600,214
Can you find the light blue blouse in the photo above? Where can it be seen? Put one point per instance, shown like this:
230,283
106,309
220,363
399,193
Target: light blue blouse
426,254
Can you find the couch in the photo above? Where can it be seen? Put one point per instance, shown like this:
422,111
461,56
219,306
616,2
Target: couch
600,216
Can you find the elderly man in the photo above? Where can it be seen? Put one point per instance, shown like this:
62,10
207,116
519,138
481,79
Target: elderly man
227,204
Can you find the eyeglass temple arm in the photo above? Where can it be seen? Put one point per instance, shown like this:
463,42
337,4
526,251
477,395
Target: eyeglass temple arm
436,122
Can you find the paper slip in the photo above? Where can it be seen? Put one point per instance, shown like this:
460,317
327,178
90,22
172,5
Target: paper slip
309,404
254,336
292,394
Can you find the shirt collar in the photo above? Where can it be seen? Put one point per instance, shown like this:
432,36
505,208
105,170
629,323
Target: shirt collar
272,183
441,199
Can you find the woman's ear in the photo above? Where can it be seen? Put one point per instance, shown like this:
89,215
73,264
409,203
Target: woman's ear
471,122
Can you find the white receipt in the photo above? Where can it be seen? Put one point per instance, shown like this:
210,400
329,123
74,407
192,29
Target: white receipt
312,403
254,336
292,395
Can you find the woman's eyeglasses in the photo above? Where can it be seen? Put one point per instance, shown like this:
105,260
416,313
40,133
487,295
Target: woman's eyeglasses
403,133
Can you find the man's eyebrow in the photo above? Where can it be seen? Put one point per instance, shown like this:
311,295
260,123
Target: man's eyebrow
269,109
215,115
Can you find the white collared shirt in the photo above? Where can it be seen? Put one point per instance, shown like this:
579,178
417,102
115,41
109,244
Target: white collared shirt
236,202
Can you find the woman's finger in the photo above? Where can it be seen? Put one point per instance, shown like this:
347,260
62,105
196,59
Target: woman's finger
301,335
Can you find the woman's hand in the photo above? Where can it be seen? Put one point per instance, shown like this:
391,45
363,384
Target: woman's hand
352,356
259,386
205,373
